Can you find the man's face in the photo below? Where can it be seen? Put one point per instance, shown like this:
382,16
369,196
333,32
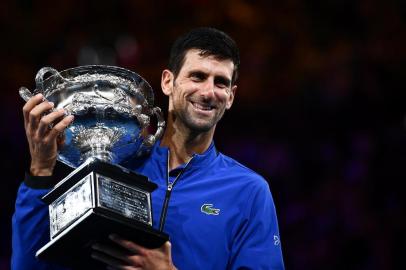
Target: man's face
201,92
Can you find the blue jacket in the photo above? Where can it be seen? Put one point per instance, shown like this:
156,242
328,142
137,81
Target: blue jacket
220,215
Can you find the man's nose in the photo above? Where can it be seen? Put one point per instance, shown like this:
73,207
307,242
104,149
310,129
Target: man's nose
208,89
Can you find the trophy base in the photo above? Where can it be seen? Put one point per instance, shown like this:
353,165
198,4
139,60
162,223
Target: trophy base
107,199
73,247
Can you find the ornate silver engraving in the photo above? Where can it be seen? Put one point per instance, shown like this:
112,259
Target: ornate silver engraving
97,141
112,106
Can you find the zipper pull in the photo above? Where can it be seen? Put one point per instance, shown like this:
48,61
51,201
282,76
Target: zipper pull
170,186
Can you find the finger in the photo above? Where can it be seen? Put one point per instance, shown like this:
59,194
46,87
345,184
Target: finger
131,246
167,248
124,267
60,127
60,140
131,268
30,104
46,120
112,262
112,252
37,112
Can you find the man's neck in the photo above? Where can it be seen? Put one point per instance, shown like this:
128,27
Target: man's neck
183,143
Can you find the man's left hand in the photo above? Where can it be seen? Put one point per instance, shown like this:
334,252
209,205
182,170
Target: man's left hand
133,256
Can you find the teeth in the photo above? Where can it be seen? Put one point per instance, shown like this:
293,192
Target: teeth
202,107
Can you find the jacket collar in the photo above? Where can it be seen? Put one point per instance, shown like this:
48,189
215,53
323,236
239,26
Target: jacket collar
160,153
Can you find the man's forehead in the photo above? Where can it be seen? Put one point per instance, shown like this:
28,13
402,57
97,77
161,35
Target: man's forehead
197,58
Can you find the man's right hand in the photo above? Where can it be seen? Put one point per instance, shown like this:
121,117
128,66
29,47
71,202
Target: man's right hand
43,140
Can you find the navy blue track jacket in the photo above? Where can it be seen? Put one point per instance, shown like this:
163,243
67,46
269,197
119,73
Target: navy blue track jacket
220,215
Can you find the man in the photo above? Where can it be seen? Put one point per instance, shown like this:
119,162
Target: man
218,213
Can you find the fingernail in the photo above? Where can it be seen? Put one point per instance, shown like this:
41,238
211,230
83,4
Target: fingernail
52,104
38,95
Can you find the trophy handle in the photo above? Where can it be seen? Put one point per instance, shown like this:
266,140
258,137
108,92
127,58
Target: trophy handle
39,78
25,93
151,139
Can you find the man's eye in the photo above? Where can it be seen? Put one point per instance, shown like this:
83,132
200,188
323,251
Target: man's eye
197,77
221,85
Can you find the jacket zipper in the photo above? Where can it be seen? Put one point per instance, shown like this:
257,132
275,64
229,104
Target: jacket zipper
168,192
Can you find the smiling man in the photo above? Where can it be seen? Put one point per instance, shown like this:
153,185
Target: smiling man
218,213
201,92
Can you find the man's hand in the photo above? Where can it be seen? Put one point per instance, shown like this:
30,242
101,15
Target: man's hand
133,256
43,140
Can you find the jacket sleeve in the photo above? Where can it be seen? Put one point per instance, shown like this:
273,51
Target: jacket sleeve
30,229
257,243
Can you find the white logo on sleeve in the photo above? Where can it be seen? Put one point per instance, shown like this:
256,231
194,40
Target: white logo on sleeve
276,240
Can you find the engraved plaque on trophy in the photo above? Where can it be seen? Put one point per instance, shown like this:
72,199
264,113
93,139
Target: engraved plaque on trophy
113,108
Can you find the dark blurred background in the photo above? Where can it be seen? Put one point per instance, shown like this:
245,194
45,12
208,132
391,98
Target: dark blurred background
320,108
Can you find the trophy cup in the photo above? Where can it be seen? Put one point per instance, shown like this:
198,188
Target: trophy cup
113,108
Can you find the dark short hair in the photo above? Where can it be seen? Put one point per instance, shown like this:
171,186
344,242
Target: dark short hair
211,42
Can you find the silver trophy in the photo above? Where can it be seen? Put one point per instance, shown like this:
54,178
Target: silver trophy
113,109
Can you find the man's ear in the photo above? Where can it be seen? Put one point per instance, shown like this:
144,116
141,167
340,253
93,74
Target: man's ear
230,98
167,82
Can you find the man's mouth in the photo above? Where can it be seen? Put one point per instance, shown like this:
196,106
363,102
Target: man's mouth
202,106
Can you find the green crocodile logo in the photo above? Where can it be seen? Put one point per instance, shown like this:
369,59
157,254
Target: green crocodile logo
208,209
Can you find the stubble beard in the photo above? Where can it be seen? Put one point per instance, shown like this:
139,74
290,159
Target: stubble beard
194,124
